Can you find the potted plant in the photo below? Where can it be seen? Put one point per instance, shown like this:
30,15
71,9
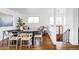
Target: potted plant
20,23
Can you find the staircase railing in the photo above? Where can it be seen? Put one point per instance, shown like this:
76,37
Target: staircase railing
66,36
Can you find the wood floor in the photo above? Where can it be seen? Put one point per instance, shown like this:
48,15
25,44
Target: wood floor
46,45
69,46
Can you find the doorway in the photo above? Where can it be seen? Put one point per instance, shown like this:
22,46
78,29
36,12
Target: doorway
59,33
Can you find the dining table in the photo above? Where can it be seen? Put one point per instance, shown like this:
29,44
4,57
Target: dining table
16,32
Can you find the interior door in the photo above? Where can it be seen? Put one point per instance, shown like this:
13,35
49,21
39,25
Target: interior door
59,33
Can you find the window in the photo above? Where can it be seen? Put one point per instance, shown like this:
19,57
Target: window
33,20
52,20
30,20
59,21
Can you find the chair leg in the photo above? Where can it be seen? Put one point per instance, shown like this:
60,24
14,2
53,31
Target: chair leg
16,44
20,44
8,43
11,43
41,41
30,43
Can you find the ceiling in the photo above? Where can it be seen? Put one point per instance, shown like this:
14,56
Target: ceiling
59,11
32,10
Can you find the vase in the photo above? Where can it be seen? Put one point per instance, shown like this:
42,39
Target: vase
21,28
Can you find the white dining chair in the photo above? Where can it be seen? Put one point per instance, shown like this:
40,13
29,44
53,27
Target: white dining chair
11,40
38,40
26,37
29,37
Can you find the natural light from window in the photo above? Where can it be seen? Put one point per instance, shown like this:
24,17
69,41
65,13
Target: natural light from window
33,19
59,21
51,20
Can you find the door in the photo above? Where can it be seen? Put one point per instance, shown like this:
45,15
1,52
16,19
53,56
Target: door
59,33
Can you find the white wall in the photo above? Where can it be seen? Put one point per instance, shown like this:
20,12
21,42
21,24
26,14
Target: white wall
52,33
78,17
44,15
71,16
75,26
78,26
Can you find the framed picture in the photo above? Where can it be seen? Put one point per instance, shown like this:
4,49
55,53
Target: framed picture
6,21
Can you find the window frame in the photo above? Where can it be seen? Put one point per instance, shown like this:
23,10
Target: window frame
52,21
33,22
